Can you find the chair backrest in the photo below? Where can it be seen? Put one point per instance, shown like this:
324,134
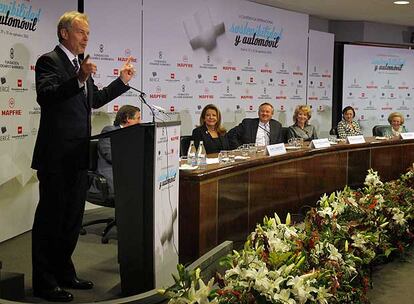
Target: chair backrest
379,130
185,144
102,197
93,155
285,134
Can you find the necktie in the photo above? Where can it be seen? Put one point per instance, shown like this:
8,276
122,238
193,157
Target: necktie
76,64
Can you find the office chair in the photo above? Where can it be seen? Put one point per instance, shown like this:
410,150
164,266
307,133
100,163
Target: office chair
379,130
103,198
285,131
184,144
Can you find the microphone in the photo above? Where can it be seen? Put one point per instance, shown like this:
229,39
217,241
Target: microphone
140,92
159,109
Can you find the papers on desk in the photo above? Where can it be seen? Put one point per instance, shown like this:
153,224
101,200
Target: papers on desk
380,138
211,161
188,167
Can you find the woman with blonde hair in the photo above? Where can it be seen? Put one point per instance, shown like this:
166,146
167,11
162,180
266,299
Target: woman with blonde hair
396,126
210,131
301,127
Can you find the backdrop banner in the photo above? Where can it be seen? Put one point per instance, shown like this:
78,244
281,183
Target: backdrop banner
378,81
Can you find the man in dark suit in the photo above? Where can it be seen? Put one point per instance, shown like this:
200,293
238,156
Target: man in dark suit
126,116
66,93
262,131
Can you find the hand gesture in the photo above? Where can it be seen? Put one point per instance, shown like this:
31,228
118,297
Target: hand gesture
86,69
127,71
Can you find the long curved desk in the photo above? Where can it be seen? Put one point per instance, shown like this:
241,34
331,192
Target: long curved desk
224,202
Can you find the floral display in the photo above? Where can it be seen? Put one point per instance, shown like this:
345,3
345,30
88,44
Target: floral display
327,258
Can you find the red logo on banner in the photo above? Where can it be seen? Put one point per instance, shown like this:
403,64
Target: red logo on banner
116,108
19,83
172,75
215,77
251,108
172,109
19,130
116,72
251,79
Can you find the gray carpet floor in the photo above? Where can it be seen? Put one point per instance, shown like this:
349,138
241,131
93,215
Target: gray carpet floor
392,283
94,261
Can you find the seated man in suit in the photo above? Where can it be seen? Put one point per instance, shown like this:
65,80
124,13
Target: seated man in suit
263,130
126,116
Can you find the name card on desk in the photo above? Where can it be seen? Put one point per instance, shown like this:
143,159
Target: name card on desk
320,143
357,139
276,149
407,135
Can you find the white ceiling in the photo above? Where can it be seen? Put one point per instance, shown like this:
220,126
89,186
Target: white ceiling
383,11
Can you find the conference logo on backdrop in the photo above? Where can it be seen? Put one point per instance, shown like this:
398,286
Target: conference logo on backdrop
3,134
20,134
100,54
206,94
3,87
372,85
160,61
388,65
12,62
158,94
11,111
257,33
184,63
35,110
19,87
20,16
298,72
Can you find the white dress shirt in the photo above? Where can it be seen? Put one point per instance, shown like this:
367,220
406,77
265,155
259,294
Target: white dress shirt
263,134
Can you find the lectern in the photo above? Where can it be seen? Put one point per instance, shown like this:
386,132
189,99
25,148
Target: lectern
145,162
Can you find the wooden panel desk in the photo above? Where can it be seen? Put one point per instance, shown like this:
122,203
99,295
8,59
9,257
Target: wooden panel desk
224,202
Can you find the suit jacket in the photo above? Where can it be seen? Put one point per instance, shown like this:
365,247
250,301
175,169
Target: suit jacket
201,134
105,161
246,131
65,120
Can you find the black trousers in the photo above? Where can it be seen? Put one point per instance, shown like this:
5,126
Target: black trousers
56,226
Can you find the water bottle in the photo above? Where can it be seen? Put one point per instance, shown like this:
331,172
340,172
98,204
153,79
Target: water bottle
191,155
201,156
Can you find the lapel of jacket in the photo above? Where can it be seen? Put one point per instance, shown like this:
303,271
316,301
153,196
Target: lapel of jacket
255,126
66,65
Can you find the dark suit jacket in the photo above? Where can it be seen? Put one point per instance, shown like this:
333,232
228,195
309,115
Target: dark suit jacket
246,131
65,120
201,134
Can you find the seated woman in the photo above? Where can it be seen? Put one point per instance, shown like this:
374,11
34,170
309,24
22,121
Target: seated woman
210,131
302,128
396,127
348,126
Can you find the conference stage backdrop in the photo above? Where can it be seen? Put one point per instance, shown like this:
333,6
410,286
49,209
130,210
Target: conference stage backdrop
235,54
27,30
112,42
378,81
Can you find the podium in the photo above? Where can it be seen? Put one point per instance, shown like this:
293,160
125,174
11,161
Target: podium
145,163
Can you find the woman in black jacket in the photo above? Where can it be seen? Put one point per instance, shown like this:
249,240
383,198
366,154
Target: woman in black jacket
210,131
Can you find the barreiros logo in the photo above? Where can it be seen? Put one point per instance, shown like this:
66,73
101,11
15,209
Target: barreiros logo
388,64
259,35
19,15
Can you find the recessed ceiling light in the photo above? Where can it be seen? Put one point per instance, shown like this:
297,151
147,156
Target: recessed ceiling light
401,2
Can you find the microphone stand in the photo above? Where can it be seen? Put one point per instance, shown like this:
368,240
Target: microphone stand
142,97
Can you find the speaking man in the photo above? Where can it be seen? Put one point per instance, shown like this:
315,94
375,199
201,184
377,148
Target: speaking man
66,93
